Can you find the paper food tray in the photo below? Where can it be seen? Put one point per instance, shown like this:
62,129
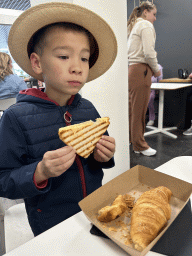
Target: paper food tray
134,182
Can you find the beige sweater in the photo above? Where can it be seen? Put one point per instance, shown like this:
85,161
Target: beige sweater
141,44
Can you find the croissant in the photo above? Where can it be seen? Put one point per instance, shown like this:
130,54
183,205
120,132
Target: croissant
109,213
149,215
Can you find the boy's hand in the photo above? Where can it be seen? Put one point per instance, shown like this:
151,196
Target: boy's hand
54,163
105,149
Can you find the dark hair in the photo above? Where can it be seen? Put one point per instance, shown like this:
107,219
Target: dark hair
137,12
38,40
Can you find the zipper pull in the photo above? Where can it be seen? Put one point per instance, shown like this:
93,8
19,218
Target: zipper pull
67,117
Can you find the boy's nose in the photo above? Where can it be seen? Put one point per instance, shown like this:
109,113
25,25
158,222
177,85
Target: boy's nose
76,67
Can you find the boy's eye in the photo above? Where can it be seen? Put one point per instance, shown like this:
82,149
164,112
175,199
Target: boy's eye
63,57
85,59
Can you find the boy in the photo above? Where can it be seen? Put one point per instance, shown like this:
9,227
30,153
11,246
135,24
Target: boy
59,44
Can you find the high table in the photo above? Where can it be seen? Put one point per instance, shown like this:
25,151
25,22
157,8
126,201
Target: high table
162,87
72,237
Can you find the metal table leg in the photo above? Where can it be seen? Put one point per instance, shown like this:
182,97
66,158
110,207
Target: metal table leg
160,120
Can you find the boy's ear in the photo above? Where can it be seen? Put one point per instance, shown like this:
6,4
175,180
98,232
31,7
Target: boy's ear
36,63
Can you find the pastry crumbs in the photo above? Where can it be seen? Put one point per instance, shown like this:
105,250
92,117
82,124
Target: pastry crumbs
128,242
113,229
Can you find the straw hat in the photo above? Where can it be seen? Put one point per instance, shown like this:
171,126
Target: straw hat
44,14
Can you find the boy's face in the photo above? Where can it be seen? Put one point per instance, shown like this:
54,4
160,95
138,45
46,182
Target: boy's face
64,63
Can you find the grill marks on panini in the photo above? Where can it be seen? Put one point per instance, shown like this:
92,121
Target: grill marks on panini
83,137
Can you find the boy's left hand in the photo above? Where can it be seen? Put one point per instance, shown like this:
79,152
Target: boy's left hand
105,149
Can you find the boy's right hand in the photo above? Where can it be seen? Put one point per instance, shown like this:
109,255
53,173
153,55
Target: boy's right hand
54,163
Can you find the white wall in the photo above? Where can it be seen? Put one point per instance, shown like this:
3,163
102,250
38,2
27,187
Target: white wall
109,93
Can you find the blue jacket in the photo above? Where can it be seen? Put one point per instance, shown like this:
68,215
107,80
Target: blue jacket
28,129
10,86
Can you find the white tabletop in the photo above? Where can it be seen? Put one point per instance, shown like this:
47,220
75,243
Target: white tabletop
169,86
72,237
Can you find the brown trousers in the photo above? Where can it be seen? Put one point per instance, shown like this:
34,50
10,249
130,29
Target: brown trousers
139,94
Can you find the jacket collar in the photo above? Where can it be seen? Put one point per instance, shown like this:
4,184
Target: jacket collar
40,96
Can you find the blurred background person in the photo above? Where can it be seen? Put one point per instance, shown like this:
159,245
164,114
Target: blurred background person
10,84
151,106
143,65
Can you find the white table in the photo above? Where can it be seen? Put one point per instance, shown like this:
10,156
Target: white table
72,237
162,87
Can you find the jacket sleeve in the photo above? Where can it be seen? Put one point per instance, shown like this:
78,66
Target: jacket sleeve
148,41
16,173
105,165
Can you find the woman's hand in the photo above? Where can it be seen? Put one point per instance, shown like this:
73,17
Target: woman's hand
157,73
105,149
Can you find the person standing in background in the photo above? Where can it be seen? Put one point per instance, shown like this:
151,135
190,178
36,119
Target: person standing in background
143,65
10,84
152,98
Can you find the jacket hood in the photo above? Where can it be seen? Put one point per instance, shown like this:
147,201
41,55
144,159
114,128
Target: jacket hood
34,95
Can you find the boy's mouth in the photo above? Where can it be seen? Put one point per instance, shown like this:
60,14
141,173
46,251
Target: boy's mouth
75,83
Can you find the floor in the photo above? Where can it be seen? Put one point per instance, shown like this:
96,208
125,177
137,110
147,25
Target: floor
167,148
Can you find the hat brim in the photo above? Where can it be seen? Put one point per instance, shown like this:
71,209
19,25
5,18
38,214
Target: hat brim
41,15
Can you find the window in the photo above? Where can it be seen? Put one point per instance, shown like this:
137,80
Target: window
6,9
